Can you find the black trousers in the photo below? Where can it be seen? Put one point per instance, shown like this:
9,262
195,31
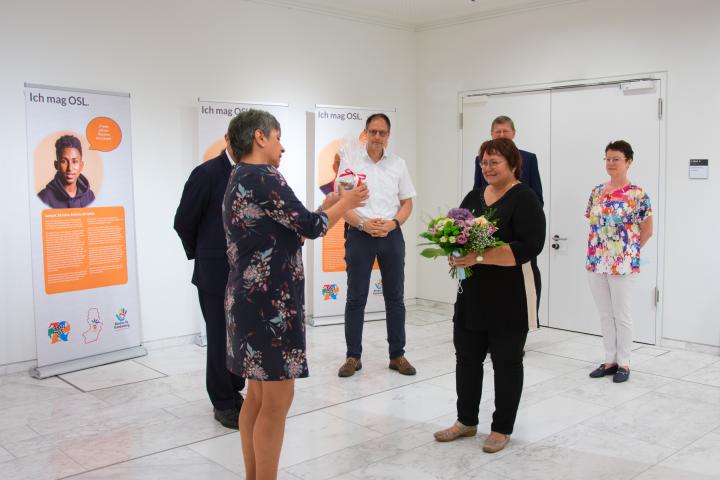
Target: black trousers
471,347
223,386
360,252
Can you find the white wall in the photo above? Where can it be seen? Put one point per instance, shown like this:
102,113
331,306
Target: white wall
167,54
591,40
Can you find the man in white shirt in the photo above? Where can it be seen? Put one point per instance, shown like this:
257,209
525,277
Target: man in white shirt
374,231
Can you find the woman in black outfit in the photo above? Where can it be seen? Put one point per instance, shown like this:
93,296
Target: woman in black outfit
497,304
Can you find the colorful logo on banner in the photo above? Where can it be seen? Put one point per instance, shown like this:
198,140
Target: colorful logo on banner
59,332
122,321
377,288
330,291
92,334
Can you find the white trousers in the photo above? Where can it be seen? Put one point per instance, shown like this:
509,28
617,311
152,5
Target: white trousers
612,294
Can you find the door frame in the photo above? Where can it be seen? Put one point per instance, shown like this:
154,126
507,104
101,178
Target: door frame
482,94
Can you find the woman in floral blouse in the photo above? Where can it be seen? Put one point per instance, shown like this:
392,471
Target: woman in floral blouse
265,225
620,219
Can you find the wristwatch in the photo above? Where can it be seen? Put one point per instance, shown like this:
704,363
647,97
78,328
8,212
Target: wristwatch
361,226
397,222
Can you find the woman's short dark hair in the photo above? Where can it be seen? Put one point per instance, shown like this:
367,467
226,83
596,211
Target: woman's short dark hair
377,115
505,148
621,146
66,141
242,128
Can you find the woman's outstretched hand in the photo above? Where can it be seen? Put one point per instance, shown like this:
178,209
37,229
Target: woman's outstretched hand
330,200
356,197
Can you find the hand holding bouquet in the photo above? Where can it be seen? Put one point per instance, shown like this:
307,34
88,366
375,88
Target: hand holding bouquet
457,234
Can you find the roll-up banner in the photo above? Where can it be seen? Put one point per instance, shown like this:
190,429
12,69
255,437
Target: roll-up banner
214,117
87,311
337,127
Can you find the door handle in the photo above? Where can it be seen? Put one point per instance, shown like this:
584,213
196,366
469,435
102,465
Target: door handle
558,238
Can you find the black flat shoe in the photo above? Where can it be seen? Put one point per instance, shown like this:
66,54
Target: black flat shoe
601,371
621,375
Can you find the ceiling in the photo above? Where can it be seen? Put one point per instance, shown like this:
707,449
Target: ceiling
416,14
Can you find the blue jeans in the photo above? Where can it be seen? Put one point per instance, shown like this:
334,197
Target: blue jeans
360,252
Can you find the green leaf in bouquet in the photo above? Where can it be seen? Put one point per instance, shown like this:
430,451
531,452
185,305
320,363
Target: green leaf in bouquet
433,252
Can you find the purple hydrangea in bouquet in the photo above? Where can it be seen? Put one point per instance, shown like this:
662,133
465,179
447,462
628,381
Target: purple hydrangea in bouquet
458,233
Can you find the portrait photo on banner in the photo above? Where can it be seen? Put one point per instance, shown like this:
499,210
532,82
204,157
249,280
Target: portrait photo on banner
67,171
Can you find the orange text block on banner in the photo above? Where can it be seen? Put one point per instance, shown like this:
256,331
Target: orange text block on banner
83,248
333,249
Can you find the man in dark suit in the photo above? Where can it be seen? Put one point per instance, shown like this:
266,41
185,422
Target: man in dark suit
503,127
199,224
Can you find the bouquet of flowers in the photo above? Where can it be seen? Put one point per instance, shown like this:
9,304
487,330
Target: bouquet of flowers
457,234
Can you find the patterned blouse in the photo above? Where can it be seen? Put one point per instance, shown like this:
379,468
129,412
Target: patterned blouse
614,239
265,294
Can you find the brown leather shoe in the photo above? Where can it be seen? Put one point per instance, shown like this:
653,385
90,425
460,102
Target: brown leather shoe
350,366
402,365
495,442
456,431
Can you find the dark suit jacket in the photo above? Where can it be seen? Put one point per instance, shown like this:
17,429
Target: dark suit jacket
530,175
198,222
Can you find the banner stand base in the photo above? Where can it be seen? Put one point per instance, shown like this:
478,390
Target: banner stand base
340,319
200,340
88,362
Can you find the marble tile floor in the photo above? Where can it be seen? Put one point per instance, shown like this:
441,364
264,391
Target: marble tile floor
149,418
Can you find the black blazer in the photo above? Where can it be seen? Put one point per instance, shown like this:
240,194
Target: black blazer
495,297
198,222
529,175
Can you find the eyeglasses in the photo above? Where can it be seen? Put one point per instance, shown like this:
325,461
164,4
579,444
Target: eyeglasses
501,131
378,133
492,163
614,160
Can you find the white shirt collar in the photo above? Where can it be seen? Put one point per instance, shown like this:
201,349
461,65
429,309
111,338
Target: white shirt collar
383,157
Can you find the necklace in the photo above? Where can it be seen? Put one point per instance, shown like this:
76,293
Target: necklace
496,194
608,188
502,192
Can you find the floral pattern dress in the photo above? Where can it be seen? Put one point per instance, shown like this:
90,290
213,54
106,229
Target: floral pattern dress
265,295
614,239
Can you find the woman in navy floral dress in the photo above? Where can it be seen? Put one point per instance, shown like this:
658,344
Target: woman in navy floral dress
265,225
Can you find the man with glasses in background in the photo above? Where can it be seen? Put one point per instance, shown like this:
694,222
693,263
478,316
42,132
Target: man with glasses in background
374,231
504,127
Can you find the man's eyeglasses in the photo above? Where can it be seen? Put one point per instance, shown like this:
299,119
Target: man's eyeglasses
378,133
614,160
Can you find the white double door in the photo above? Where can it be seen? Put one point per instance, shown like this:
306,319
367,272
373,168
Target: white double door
568,129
